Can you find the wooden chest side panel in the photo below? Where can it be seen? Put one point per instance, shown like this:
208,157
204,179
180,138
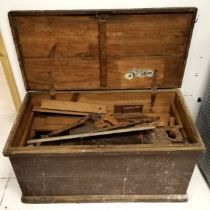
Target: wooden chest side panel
96,174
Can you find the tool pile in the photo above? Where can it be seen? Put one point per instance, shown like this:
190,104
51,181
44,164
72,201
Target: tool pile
95,125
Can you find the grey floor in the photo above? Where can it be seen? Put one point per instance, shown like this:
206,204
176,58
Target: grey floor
10,194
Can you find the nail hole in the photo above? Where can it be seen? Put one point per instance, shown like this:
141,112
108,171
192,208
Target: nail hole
199,99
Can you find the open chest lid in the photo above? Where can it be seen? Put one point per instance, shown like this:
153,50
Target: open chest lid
105,49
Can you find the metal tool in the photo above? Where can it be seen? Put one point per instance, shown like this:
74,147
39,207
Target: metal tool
105,121
108,132
68,127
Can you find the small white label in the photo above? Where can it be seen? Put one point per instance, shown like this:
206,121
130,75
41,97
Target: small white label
138,73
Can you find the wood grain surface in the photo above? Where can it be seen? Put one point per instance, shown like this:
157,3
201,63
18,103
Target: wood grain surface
95,50
73,106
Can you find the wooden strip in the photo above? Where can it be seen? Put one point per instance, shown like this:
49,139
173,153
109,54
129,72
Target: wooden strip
102,52
176,114
27,128
73,106
9,75
59,138
185,116
39,109
104,198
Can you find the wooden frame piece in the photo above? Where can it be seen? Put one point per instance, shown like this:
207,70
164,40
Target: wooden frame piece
102,51
9,75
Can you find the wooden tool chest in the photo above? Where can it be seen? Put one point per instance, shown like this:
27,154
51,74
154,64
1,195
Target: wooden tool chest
103,119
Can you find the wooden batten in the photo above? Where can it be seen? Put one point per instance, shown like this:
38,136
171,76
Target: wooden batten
102,51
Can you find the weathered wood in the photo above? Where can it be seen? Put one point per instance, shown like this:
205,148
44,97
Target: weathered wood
75,97
109,132
86,170
68,127
186,119
94,54
104,198
25,134
128,108
110,97
175,114
51,123
20,123
80,73
5,64
65,46
73,106
102,51
41,110
172,121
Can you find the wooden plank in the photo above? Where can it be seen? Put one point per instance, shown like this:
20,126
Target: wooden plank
102,51
4,61
118,97
26,129
186,119
175,114
167,71
66,73
109,132
73,106
72,36
104,198
159,34
41,110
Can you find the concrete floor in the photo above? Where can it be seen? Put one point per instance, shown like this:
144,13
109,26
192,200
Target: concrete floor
10,194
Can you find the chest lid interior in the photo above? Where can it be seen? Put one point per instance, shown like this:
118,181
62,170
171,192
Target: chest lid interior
105,49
